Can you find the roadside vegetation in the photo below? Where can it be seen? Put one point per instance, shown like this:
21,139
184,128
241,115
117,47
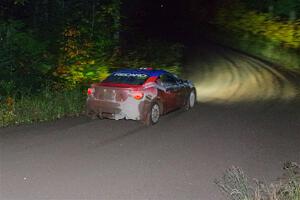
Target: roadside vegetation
45,106
235,185
267,29
51,51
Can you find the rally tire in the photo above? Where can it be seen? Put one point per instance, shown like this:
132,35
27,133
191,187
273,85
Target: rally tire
191,100
153,115
91,114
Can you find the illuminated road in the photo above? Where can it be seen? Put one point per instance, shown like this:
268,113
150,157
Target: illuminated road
248,115
225,76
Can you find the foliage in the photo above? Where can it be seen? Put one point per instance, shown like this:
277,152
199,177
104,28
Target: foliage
24,60
237,19
152,53
88,42
79,36
22,2
155,54
282,8
48,105
80,62
236,186
258,33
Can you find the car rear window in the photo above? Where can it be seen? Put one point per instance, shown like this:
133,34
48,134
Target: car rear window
127,78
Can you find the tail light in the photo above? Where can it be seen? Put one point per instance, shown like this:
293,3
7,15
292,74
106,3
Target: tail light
138,95
91,91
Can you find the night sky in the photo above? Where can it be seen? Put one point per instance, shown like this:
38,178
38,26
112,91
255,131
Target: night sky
167,19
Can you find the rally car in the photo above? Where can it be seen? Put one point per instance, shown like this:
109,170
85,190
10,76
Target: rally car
139,94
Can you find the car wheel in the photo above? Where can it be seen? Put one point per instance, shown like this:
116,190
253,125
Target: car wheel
91,114
154,114
191,100
100,116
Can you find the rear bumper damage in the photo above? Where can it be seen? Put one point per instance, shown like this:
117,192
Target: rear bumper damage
129,109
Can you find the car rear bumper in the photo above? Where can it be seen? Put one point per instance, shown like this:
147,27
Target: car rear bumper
129,109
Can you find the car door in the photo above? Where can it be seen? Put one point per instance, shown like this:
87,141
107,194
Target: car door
170,93
181,92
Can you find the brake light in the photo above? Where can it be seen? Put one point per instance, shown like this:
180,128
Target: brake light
90,91
137,95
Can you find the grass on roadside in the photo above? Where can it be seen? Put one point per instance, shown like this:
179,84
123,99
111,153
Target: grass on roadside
236,185
46,106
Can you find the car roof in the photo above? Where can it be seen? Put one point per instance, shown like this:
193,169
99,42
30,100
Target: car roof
148,72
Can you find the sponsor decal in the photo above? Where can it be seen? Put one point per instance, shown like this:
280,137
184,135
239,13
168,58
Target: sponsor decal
131,75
